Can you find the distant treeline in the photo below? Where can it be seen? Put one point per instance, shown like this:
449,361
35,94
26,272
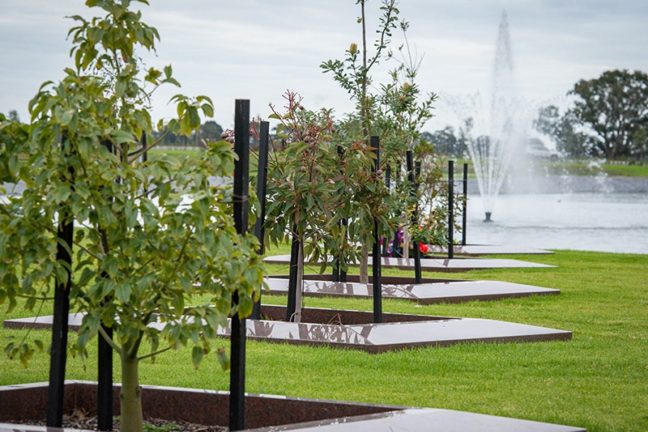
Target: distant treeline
209,131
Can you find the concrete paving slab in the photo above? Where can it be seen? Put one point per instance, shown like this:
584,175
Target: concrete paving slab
438,264
265,413
408,332
425,420
479,249
425,293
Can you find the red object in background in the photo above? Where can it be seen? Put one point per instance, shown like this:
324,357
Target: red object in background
423,248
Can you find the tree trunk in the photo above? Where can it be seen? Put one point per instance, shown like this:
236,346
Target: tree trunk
406,241
364,264
131,395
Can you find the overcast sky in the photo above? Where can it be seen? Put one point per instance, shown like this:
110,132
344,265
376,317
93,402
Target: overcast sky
257,49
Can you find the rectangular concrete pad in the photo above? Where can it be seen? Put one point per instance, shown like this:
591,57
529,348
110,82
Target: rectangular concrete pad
477,249
426,420
28,402
24,402
422,331
424,293
438,264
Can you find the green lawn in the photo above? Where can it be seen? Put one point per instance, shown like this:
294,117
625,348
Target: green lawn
583,167
191,153
626,170
599,380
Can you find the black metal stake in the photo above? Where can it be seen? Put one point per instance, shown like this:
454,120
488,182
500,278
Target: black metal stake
338,274
105,383
395,240
388,186
291,307
464,211
376,276
105,354
450,209
335,274
58,353
342,272
262,179
144,148
412,183
237,339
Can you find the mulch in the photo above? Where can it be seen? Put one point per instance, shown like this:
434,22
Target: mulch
80,420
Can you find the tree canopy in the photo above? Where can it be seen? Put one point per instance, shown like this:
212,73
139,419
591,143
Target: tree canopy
150,236
613,108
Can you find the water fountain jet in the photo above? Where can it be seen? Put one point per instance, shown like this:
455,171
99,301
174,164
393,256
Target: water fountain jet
502,133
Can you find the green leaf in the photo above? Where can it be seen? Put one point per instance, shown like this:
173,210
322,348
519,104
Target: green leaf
223,360
86,276
61,193
152,75
172,81
197,354
245,306
168,71
123,137
208,110
123,292
194,118
66,117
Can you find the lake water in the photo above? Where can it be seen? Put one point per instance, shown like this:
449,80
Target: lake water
595,221
609,215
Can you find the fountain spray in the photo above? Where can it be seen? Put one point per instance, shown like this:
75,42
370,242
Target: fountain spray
503,138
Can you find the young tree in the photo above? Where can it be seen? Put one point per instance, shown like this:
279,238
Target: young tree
353,74
151,235
300,183
403,109
322,178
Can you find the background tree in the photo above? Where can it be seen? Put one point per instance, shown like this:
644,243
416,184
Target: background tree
211,131
639,149
446,141
13,116
564,131
613,107
403,109
150,236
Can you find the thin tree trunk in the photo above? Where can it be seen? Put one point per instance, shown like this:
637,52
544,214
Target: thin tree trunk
406,241
131,395
364,264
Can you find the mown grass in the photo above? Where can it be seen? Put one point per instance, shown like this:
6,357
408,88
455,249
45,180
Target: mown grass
585,167
626,170
192,153
598,380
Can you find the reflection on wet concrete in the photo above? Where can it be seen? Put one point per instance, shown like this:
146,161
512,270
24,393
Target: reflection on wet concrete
425,419
425,293
478,249
438,264
374,338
